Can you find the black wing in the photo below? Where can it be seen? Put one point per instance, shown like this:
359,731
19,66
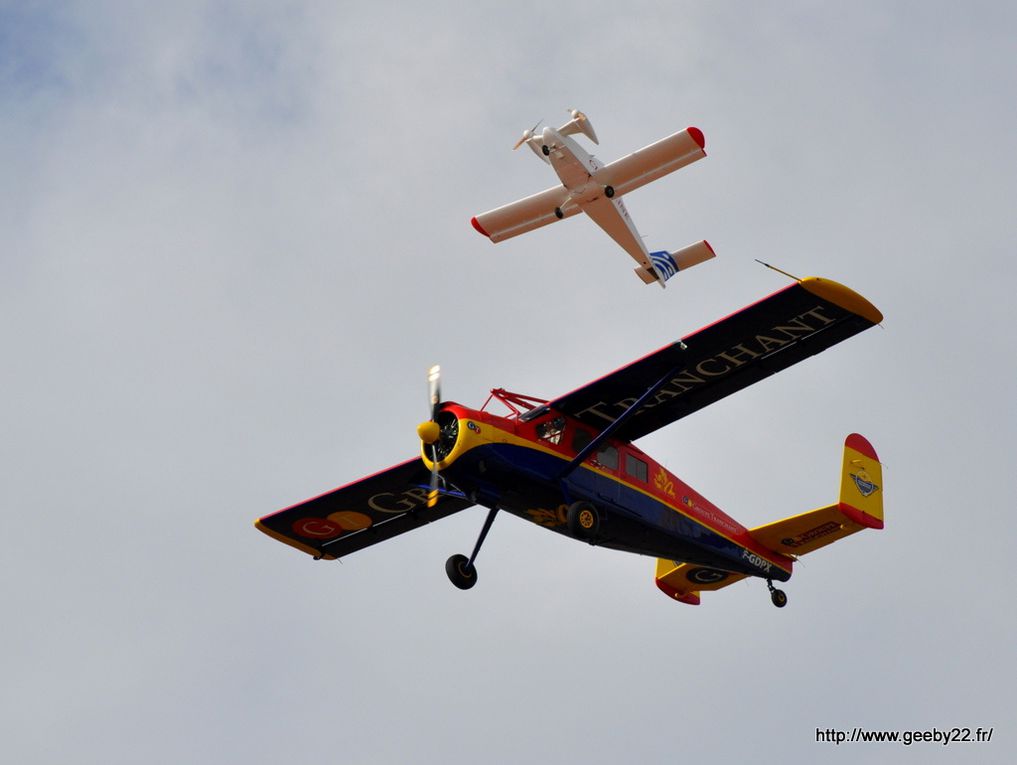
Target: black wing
788,326
362,513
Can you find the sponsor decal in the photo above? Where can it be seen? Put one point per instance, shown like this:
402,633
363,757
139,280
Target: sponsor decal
706,575
865,486
351,521
713,517
814,533
316,528
549,518
331,527
710,369
396,503
473,426
663,483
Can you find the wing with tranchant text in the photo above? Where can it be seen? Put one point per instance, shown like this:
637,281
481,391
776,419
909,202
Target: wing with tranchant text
787,327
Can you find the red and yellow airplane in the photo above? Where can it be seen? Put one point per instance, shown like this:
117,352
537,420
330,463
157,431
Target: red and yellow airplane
570,464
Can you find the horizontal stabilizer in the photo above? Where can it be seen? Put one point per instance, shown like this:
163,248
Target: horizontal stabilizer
667,264
579,124
684,581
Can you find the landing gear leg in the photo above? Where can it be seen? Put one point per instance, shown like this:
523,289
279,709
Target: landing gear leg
777,597
460,569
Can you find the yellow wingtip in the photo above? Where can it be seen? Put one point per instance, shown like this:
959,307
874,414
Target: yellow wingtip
843,296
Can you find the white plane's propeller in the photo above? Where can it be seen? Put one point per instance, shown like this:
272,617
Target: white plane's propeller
527,135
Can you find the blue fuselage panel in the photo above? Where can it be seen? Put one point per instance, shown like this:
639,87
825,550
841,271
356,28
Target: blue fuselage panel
525,482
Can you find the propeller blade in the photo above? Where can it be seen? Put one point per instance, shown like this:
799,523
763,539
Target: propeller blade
434,396
527,134
434,389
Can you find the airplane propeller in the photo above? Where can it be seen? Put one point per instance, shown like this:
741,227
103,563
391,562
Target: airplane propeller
527,135
430,431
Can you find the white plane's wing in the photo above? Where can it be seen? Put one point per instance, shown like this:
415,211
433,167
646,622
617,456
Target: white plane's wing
611,215
524,215
653,161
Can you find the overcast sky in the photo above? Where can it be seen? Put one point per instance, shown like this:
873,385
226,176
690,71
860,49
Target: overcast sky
233,237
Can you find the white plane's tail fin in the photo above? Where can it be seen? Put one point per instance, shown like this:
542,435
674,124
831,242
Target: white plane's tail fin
579,123
667,264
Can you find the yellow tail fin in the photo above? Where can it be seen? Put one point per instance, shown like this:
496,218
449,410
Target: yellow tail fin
860,507
861,483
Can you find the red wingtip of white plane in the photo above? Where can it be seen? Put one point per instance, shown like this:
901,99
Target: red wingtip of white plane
479,228
698,137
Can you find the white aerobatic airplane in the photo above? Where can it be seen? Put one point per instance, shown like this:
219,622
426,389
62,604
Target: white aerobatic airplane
596,189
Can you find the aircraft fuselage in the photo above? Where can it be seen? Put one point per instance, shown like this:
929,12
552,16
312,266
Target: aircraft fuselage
576,168
515,464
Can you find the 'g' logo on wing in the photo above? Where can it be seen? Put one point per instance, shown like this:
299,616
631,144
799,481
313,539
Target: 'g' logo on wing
316,528
706,575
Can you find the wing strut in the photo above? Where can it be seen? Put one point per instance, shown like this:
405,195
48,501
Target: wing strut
603,435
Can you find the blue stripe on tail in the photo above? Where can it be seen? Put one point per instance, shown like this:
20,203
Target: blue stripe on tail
664,264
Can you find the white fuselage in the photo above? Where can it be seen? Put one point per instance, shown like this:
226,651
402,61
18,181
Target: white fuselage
578,169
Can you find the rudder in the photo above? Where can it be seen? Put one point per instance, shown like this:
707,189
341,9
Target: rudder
861,483
860,506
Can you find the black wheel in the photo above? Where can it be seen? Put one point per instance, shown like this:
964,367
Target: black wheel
460,573
609,191
558,213
583,520
546,149
779,598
